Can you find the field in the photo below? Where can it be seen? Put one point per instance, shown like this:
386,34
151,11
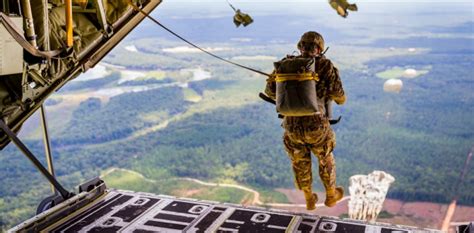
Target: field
398,72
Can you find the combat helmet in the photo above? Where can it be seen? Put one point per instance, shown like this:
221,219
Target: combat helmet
310,39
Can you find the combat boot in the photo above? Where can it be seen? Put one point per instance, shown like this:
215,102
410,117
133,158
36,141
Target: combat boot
311,200
333,196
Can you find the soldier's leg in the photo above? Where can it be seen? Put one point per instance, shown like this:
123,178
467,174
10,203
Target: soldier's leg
327,165
327,170
301,162
300,157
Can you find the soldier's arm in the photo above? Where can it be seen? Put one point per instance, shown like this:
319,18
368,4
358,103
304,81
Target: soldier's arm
335,90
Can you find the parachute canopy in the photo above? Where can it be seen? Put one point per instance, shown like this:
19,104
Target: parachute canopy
410,73
368,194
393,85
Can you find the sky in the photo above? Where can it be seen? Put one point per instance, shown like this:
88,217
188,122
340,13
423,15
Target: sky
311,1
263,7
389,14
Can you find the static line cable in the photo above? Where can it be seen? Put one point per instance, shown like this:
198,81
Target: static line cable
192,44
232,6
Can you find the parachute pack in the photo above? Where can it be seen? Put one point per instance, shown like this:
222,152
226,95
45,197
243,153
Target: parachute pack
296,79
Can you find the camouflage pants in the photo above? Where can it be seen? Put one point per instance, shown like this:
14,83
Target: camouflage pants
300,144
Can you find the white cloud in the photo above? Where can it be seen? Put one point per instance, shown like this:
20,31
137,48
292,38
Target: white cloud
131,48
243,39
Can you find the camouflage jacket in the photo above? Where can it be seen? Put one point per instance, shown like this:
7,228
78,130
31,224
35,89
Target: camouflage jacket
329,87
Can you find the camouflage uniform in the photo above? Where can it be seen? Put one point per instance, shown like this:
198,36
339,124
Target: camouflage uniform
307,134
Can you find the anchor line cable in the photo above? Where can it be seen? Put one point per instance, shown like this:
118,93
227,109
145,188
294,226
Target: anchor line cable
195,46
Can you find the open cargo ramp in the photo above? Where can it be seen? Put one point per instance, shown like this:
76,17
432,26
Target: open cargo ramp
108,210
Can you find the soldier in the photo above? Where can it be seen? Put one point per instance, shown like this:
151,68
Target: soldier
306,134
341,6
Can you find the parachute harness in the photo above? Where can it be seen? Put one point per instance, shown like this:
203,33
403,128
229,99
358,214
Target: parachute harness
136,8
297,77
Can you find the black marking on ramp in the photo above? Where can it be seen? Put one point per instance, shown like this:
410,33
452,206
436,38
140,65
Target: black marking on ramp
340,227
248,225
207,221
220,209
309,220
182,207
307,225
388,230
143,231
165,225
304,227
173,217
131,212
104,229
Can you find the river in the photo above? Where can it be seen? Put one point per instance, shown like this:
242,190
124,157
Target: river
199,74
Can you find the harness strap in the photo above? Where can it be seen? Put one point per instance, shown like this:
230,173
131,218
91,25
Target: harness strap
296,77
17,34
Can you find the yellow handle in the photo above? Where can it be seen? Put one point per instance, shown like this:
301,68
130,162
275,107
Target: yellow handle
69,26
